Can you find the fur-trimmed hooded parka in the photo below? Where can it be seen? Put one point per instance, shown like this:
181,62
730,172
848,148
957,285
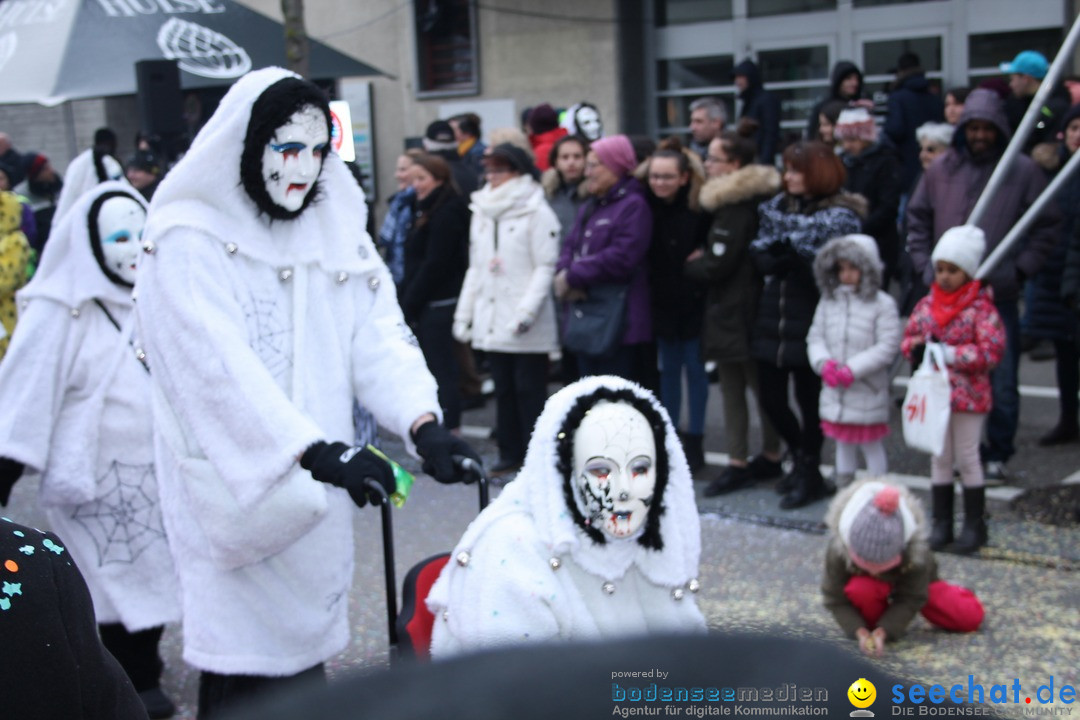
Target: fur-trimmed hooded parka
855,326
727,268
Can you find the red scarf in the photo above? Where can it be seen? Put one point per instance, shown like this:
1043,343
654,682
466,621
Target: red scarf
945,306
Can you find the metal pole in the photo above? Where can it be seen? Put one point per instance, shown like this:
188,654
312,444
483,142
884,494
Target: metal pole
1048,195
1064,58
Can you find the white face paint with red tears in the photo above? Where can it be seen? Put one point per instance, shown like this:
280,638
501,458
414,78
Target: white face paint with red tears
615,468
293,158
120,224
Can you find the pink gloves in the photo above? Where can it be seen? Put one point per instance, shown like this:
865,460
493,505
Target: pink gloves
835,374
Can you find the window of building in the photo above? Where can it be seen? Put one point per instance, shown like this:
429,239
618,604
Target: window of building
874,3
446,56
987,52
680,82
798,77
681,12
879,64
764,8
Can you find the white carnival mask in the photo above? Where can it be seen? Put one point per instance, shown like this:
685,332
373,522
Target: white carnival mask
615,468
120,224
293,158
589,124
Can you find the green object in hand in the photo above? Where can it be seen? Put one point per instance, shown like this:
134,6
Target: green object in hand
403,479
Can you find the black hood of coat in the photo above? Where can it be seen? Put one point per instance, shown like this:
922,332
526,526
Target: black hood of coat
840,71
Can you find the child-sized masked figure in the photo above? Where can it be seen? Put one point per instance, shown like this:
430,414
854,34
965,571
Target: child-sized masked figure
598,537
266,310
76,401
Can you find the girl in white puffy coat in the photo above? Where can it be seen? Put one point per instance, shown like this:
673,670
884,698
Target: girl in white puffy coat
505,307
852,343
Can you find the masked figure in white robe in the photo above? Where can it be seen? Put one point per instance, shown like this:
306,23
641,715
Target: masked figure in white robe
76,401
597,538
266,310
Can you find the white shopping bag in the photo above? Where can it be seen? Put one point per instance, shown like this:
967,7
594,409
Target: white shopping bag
926,408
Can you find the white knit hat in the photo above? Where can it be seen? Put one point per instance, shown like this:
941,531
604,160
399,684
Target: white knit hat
855,124
963,246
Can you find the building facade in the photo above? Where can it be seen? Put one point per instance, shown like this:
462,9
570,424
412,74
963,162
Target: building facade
641,62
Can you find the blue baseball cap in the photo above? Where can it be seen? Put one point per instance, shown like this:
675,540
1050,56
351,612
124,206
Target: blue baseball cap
1028,62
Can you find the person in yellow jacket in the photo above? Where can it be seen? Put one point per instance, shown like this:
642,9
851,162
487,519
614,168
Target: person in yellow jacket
14,258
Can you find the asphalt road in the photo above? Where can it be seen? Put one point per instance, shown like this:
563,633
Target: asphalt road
761,566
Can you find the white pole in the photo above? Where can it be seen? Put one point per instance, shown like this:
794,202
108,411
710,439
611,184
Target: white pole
1048,195
1064,57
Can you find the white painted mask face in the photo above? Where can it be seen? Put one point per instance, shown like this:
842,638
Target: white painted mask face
120,224
588,122
293,158
615,468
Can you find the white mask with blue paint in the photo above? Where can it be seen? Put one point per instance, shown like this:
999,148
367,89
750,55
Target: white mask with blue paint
120,224
293,158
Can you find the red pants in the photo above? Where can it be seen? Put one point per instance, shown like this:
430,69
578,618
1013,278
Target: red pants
949,607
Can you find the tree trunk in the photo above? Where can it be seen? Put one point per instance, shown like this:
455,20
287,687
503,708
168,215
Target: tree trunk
296,39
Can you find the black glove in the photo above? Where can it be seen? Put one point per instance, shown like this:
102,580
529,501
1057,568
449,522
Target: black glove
10,472
438,447
347,467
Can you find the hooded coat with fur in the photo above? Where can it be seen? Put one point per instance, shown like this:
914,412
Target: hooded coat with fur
855,326
526,572
727,268
790,234
910,579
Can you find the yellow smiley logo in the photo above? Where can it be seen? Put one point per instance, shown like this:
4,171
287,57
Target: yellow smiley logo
862,693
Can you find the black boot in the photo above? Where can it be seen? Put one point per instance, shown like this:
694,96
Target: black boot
809,484
941,531
693,446
973,532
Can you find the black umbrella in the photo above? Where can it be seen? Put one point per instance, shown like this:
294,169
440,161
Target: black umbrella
57,50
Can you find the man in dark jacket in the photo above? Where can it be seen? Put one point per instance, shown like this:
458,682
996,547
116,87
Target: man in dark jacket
761,105
1026,73
845,84
911,104
944,198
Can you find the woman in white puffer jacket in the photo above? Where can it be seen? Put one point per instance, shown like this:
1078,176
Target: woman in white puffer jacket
852,343
505,308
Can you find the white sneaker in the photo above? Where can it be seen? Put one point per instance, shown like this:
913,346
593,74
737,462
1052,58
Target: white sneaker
995,474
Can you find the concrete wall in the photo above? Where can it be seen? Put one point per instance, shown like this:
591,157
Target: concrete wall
523,58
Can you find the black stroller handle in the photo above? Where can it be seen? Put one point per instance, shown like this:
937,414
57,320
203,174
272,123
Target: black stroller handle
379,491
471,467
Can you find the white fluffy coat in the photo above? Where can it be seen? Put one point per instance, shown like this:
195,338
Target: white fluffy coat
77,410
260,334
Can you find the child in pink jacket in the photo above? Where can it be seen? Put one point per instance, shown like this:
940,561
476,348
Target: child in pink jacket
960,313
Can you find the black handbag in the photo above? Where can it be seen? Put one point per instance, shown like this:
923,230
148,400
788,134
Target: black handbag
594,326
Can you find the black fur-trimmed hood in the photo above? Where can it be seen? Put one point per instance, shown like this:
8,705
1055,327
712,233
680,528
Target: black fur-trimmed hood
859,250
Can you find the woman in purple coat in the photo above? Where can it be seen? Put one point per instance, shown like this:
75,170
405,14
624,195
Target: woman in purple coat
608,244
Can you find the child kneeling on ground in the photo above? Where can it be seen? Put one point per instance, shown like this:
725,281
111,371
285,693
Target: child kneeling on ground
880,572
